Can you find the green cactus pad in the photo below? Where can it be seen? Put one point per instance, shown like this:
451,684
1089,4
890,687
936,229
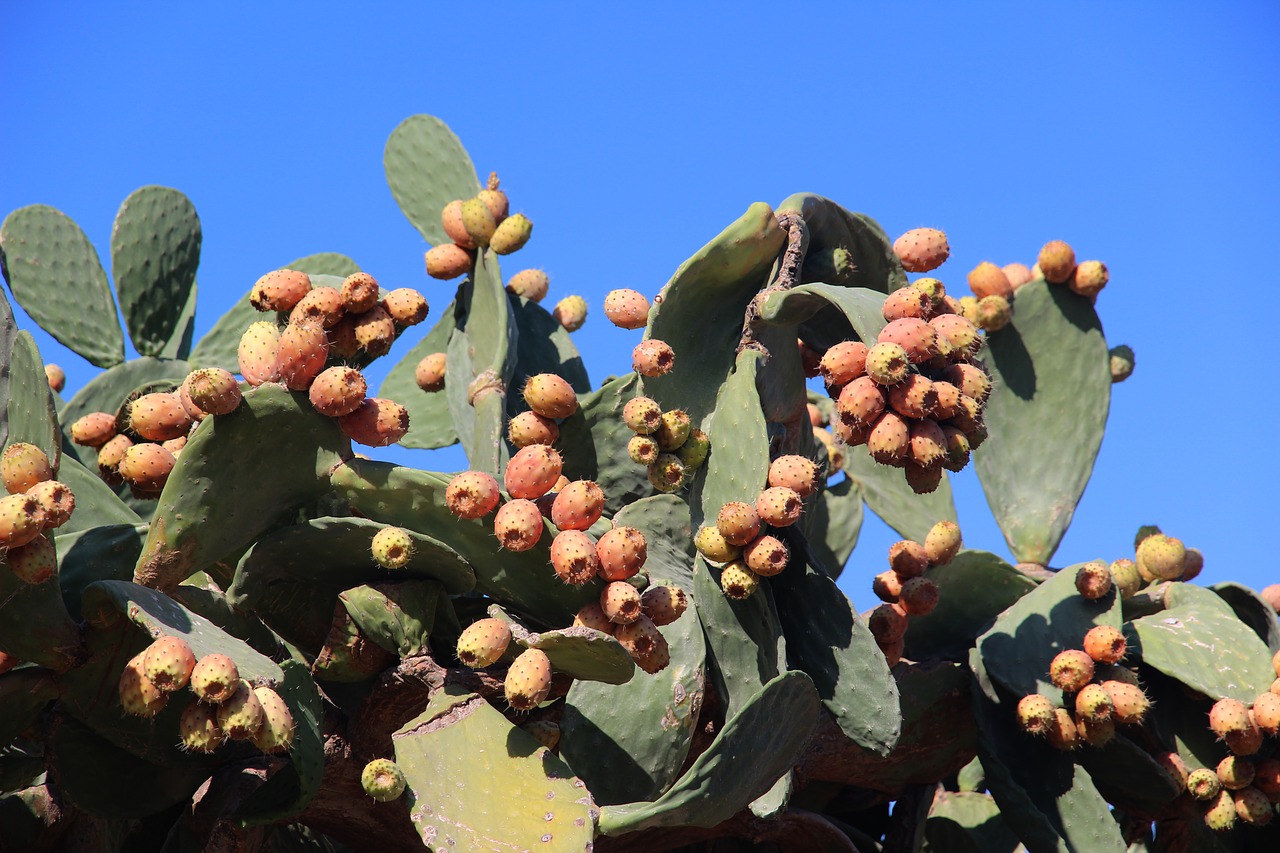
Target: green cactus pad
1050,359
830,226
105,552
668,535
427,168
397,616
1252,610
24,693
833,523
543,346
889,497
55,275
973,589
155,249
1129,777
34,623
96,504
967,822
30,414
179,345
861,308
325,263
774,800
430,423
478,783
583,653
744,761
599,441
744,638
8,331
738,467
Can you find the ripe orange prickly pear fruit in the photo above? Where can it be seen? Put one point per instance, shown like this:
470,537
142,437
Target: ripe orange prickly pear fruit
666,474
1093,703
1162,556
1253,807
529,428
276,733
383,780
626,308
1204,784
1063,734
1035,714
56,502
913,397
1104,644
766,555
1096,731
198,728
550,396
495,199
591,615
279,290
779,506
987,279
35,562
922,249
451,219
890,439
518,525
1093,579
887,586
907,302
532,471
392,547
323,306
300,355
342,338
843,363
959,332
376,422
240,715
645,643
168,663
713,546
406,306
738,522
359,292
511,234
213,390
1235,772
942,543
159,417
620,602
622,552
430,372
483,642
673,429
664,603
1056,262
861,401
642,415
993,313
472,494
794,472
94,429
531,284
887,622
737,581
528,680
574,558
928,444
1128,701
338,391
138,696
970,379
1071,670
916,337
887,363
1266,713
1089,278
257,353
653,358
23,465
1018,275
919,596
214,678
908,559
375,330
478,219
448,261
958,448
571,313
56,377
146,467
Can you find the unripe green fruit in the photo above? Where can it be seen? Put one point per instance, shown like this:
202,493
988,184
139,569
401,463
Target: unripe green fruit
673,429
694,450
887,363
392,547
993,313
934,289
483,642
714,547
961,334
1125,576
528,680
1162,556
382,780
642,450
495,199
666,474
737,581
511,234
571,313
1204,784
478,220
1221,814
942,543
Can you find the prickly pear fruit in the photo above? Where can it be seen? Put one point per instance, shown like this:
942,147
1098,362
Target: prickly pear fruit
1057,260
478,220
529,428
887,586
887,363
571,312
494,198
342,339
1018,274
94,429
993,313
1221,814
279,290
392,547
1071,670
1266,713
1266,778
168,663
1229,716
959,332
1193,565
34,562
338,391
257,353
1162,556
958,448
666,474
146,467
1093,580
56,502
1121,362
1104,644
430,372
138,696
214,678
843,363
627,309
382,780
21,519
198,728
642,415
622,552
448,261
643,450
1204,784
375,330
1096,731
713,546
737,581
942,543
1125,576
511,234
578,505
213,390
531,284
620,602
919,596
323,306
359,292
518,525
1093,703
738,522
987,279
1235,772
590,615
970,379
694,450
907,302
928,444
1063,734
375,422
472,494
1089,278
56,377
794,472
916,337
861,401
483,642
300,355
1035,714
574,558
1253,807
451,219
913,397
276,733
664,603
766,555
779,506
1129,703
653,358
158,417
908,559
550,396
528,680
892,651
673,429
532,471
887,623
889,439
922,249
240,715
645,643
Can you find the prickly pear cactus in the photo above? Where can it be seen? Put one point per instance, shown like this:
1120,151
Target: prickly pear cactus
620,629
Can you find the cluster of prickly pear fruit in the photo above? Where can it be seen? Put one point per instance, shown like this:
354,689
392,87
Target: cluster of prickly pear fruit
481,222
34,505
904,589
666,443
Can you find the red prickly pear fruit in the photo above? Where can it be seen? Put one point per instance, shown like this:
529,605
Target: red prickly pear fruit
1104,644
213,391
947,403
738,522
279,290
484,642
494,198
915,336
276,733
1071,670
922,480
1193,565
214,678
1129,703
198,728
359,292
645,643
908,559
56,377
448,261
34,562
375,422
1266,713
620,602
472,494
887,622
591,615
664,603
922,249
738,582
1121,363
518,525
1057,261
892,651
7,662
843,363
919,596
970,379
1126,577
712,545
817,420
666,474
890,439
1017,274
861,401
810,359
913,397
673,429
1246,742
1228,716
643,450
159,417
451,219
574,558
1089,278
1266,778
1235,772
1035,714
779,506
94,429
570,312
1063,734
430,372
1093,703
888,363
987,279
653,358
928,444
907,302
794,472
993,313
1096,731
959,332
323,306
851,434
23,465
240,715
627,309
694,450
532,471
56,502
406,306
168,663
1093,579
478,220
1220,816
383,780
257,353
138,696
146,467
958,448
622,552
1162,556
766,555
550,396
1253,807
887,586
1203,784
342,338
511,234
301,354
528,680
642,415
942,543
392,547
531,284
338,391
375,330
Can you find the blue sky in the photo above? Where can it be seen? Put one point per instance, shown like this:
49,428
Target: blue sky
1143,133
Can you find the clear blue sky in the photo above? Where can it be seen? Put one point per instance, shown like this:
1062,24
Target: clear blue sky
1143,133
